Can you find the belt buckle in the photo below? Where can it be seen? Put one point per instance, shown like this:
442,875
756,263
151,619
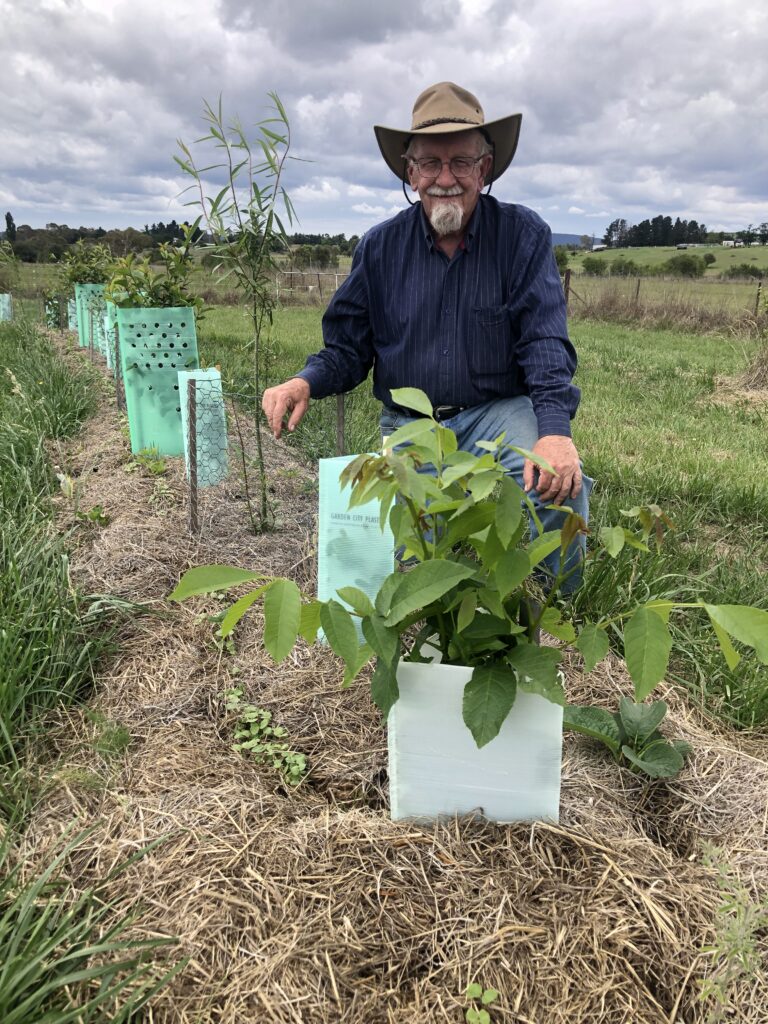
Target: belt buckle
439,410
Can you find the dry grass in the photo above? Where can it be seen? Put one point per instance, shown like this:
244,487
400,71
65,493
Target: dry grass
309,905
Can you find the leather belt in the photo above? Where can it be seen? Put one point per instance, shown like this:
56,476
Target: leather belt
440,412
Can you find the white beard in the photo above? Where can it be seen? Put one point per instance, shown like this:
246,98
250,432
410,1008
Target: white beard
446,217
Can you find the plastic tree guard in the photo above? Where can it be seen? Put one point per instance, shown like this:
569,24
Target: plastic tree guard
211,425
436,769
90,315
352,550
72,314
6,307
154,345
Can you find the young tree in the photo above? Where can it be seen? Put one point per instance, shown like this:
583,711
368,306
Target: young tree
243,221
10,228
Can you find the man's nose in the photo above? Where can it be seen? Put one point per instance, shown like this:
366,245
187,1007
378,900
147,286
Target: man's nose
446,177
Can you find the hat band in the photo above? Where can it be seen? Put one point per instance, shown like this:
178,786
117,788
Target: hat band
445,120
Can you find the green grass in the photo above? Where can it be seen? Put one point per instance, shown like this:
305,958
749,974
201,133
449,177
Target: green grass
50,636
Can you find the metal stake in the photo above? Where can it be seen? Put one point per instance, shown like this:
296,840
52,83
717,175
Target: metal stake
194,523
339,424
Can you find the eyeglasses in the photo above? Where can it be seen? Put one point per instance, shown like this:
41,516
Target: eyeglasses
460,166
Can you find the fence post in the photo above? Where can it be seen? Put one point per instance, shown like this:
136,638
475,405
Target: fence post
194,522
637,294
339,424
319,286
90,331
757,298
567,286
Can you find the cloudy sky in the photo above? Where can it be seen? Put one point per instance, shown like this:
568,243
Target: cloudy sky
629,109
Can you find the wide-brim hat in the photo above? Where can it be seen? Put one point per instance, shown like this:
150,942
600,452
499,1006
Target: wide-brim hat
446,108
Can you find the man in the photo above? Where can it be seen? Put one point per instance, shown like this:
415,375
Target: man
458,296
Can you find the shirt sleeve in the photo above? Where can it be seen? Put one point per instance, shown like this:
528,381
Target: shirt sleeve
544,352
347,355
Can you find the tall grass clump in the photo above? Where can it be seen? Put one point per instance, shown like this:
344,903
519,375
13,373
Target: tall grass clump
67,959
50,636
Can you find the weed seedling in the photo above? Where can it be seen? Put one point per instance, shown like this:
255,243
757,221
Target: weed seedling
148,460
480,997
255,735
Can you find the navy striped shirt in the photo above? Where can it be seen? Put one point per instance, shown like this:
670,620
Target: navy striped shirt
488,323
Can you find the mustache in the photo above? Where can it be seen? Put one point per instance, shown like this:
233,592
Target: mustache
437,190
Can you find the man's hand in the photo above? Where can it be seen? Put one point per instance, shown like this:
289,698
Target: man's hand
292,398
560,452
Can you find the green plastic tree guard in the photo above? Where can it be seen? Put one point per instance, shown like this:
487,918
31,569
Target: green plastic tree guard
211,425
154,345
6,307
90,311
352,549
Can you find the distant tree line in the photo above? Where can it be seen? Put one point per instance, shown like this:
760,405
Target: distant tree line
662,230
40,245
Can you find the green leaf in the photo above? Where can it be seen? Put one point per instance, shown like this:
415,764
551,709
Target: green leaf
660,759
731,655
640,720
482,484
384,688
392,582
593,644
412,398
474,991
485,625
415,429
597,723
745,624
309,623
357,599
488,698
536,669
551,622
490,995
384,640
206,579
282,617
239,608
647,644
339,630
612,538
467,610
512,568
542,546
352,668
423,584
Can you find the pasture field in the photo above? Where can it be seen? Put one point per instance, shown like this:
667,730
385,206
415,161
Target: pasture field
654,255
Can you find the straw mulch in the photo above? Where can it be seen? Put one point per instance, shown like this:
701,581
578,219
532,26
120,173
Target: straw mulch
310,905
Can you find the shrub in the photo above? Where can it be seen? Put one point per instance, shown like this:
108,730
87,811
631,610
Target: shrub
709,258
595,266
684,265
622,267
743,270
561,257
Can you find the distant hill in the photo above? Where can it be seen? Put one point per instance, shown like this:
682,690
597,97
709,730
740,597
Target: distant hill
565,239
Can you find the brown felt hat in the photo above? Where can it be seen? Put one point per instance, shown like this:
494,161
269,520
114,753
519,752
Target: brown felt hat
444,108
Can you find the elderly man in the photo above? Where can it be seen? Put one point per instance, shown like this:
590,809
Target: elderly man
458,296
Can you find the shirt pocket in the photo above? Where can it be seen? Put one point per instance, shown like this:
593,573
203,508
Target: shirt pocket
490,348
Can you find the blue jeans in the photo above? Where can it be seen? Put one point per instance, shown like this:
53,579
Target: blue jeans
516,417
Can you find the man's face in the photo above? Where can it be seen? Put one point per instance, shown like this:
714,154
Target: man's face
449,200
